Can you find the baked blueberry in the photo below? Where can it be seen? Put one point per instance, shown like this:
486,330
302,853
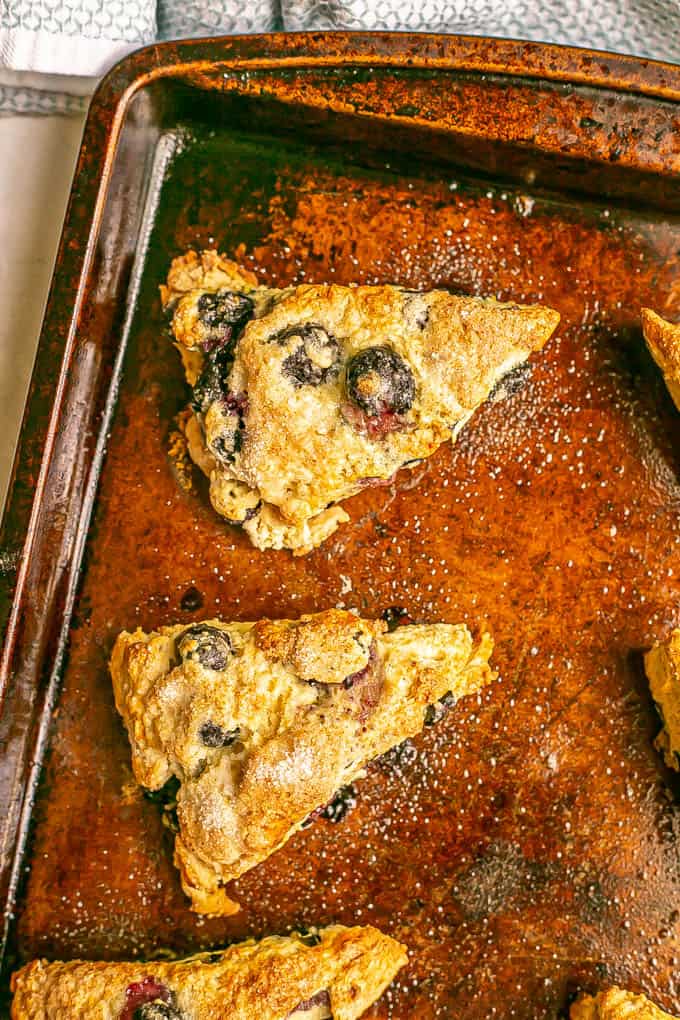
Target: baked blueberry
314,354
157,1010
380,382
236,502
211,383
207,645
222,316
223,427
209,387
149,999
213,735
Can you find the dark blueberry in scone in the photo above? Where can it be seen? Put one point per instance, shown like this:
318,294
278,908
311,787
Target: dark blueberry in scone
223,315
149,999
314,357
210,385
158,1010
380,382
223,427
213,735
207,645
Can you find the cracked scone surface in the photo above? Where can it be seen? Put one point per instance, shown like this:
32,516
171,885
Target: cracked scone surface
663,340
617,1004
304,396
262,723
340,972
662,666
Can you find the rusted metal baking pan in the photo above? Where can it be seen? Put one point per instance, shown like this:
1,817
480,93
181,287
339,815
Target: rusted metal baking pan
527,846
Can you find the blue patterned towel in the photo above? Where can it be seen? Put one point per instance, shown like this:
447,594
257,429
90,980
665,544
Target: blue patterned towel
85,37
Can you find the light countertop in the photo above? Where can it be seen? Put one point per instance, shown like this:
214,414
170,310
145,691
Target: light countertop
37,158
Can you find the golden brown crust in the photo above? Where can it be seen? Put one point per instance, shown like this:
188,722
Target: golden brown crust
616,1004
662,666
296,732
663,340
207,271
304,447
251,981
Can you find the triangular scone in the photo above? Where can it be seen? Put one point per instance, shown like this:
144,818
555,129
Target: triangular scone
263,723
338,972
304,396
663,340
616,1004
662,666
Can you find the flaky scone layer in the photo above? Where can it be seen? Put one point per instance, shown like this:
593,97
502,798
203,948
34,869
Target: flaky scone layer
663,340
314,392
662,666
266,980
617,1004
262,723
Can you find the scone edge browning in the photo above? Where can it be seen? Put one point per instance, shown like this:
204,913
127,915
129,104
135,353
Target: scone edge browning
296,758
263,980
616,1004
456,349
663,340
662,666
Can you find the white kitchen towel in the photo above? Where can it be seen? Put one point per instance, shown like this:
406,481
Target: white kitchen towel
85,37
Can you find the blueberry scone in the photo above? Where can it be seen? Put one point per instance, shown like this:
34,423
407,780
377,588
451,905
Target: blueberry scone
617,1004
302,397
662,666
663,340
335,973
263,723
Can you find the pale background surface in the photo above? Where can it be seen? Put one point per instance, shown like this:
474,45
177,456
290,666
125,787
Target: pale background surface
37,158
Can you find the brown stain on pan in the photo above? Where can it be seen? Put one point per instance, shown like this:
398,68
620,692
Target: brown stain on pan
527,844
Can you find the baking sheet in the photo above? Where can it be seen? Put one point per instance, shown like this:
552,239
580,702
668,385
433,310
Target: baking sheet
525,846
